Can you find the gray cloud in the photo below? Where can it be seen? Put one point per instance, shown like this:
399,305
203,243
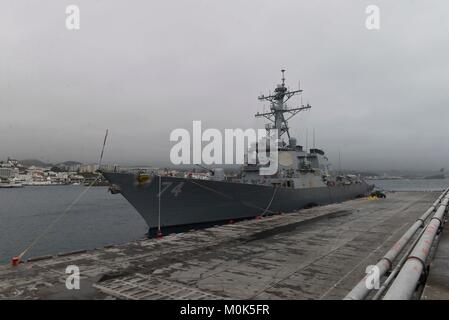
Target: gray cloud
144,68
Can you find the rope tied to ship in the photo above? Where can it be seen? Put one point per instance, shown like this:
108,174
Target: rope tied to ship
245,203
159,232
271,201
16,259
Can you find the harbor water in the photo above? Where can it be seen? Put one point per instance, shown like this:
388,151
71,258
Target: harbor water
411,184
98,219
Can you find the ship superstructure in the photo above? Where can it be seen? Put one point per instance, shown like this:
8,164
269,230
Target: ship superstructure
297,168
303,178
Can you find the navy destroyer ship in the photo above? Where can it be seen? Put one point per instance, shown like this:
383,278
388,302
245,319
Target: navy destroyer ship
304,178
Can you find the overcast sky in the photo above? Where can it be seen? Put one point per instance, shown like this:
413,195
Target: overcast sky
144,68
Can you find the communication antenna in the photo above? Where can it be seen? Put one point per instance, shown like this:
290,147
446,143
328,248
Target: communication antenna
307,139
102,150
314,138
339,161
278,109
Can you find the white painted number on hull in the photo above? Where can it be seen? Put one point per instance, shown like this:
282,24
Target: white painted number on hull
165,186
176,190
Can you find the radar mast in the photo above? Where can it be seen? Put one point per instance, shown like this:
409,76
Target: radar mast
279,113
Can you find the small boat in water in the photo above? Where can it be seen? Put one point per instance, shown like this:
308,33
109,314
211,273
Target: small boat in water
10,184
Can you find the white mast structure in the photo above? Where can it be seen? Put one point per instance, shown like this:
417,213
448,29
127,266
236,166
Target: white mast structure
278,108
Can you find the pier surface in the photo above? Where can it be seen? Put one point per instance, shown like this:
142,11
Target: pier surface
317,253
437,284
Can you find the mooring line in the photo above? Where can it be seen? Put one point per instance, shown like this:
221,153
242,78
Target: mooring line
212,190
245,203
16,260
159,206
67,209
271,201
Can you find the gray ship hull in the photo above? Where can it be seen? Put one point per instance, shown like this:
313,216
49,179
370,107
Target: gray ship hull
192,201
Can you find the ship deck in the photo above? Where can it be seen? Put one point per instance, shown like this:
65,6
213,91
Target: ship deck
317,253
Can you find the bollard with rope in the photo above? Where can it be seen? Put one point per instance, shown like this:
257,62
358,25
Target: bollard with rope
15,261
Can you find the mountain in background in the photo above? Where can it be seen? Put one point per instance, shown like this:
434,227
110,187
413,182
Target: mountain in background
39,163
34,162
70,163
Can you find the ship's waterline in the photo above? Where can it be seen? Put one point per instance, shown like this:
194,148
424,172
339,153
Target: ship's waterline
192,201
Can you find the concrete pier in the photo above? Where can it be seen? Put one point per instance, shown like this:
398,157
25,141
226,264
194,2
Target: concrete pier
317,253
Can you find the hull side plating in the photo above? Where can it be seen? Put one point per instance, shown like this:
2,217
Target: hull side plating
191,201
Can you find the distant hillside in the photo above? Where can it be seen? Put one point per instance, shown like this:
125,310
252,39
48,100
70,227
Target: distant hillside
38,163
70,163
35,162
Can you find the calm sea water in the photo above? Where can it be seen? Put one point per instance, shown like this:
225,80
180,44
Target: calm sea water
98,219
411,184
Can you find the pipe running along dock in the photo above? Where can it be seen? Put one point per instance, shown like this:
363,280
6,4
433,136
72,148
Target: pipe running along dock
317,253
411,270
